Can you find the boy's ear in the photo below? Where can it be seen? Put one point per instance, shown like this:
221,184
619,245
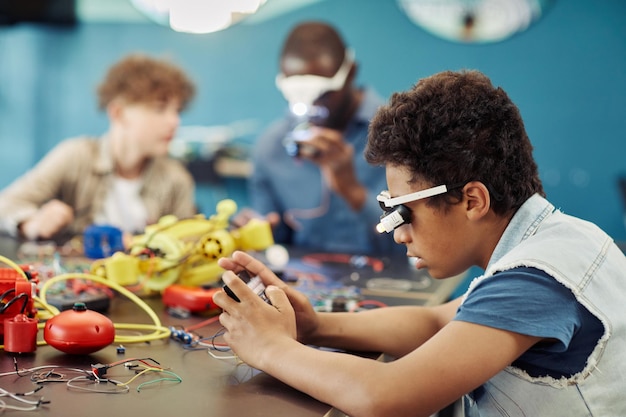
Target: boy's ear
114,109
478,200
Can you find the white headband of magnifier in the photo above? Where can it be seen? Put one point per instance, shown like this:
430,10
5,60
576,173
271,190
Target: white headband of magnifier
306,89
386,199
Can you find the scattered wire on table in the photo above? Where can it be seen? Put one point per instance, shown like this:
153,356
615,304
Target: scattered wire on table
194,341
32,405
92,380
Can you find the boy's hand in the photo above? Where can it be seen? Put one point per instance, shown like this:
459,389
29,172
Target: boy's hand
306,317
50,219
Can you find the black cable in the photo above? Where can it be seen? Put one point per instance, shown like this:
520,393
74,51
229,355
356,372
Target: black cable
14,300
6,293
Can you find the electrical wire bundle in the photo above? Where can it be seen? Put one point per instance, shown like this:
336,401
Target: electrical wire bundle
89,380
191,340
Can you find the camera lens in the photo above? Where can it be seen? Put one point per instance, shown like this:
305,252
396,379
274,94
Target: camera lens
293,142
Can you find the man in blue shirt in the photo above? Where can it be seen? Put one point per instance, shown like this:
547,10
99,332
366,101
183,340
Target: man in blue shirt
310,178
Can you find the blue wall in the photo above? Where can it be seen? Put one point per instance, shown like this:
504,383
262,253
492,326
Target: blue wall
567,73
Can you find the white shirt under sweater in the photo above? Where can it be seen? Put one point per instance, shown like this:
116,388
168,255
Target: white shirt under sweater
123,206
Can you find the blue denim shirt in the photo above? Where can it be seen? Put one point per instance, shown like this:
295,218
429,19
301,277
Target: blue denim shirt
584,259
321,220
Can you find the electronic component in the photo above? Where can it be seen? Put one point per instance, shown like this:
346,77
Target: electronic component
182,301
20,334
295,142
100,241
95,296
253,282
332,299
17,294
181,335
79,331
183,251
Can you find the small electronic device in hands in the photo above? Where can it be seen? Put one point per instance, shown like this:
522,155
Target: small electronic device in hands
295,142
253,282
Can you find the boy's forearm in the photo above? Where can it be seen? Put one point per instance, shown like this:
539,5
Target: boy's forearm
391,330
338,379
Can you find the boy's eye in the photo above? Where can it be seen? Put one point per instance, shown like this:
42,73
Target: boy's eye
159,106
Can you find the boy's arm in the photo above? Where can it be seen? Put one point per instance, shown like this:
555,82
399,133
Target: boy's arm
458,359
22,199
439,359
392,330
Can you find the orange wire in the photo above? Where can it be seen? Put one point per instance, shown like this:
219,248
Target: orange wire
202,324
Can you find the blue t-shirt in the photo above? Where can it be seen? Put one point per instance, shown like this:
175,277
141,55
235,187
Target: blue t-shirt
529,301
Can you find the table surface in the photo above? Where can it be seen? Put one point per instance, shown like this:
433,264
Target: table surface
210,386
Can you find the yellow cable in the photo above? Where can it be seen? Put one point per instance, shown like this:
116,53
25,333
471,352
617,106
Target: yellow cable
14,266
138,374
157,329
159,332
49,308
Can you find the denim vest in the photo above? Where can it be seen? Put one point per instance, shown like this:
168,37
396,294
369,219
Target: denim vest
584,259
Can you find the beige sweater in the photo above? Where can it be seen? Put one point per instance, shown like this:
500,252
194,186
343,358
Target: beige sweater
78,172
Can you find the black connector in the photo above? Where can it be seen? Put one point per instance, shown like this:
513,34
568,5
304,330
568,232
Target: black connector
99,370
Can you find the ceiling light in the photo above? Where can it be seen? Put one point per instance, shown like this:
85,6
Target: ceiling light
474,21
197,16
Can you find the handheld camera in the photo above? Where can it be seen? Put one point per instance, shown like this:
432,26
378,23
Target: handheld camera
295,142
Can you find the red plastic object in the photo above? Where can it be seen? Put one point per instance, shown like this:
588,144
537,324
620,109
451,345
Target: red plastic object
12,274
10,279
20,334
192,299
79,331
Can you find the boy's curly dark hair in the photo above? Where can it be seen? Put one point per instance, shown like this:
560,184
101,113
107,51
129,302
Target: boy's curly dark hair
138,78
456,127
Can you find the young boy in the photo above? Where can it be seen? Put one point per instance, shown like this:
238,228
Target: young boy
541,333
124,178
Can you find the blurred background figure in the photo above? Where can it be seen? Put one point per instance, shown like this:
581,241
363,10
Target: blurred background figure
124,178
310,179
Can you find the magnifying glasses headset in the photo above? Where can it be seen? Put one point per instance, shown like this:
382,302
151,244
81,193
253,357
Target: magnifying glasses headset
396,213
